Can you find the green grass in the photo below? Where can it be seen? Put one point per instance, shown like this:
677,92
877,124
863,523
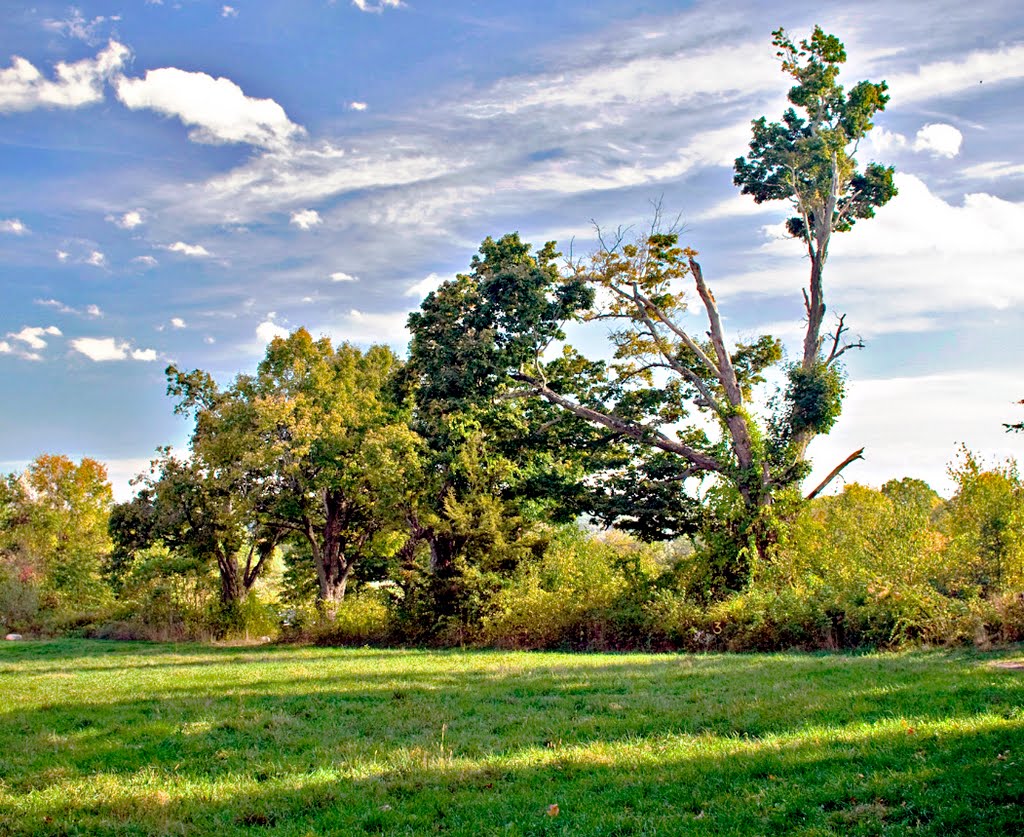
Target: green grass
105,738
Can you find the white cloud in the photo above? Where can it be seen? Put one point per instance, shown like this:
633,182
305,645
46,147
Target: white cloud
894,419
96,259
5,348
146,261
947,78
23,87
921,247
62,255
360,106
76,26
994,170
209,341
32,336
193,250
306,173
217,108
939,139
102,349
268,330
14,226
306,218
228,11
339,276
128,221
90,310
362,327
177,322
377,6
425,286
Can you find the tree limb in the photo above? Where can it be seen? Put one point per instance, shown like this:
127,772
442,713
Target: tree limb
857,454
638,432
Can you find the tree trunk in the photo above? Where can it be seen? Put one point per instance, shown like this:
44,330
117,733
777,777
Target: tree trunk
230,581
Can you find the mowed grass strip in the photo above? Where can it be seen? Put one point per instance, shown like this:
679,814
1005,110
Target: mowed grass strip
123,738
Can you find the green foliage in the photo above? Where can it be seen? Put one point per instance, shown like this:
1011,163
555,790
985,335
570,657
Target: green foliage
985,525
363,619
586,592
807,159
54,542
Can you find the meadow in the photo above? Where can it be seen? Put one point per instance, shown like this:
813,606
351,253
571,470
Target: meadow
132,738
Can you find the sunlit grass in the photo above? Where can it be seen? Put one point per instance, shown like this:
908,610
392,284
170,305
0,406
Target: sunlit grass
103,738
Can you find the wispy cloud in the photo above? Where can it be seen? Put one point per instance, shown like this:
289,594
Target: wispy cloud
91,311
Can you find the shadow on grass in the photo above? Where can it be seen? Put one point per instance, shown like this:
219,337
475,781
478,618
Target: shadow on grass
482,743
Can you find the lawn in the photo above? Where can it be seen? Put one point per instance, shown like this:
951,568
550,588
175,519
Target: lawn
131,738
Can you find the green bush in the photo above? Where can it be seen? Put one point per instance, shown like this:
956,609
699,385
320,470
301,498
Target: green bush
587,591
363,619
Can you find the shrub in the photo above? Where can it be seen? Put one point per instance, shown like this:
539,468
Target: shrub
359,620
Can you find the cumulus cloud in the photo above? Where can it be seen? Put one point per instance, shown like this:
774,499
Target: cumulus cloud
377,6
196,251
128,221
23,86
340,276
425,286
357,106
177,322
268,330
146,261
32,336
62,255
215,108
923,245
306,218
14,226
96,259
228,11
103,349
939,139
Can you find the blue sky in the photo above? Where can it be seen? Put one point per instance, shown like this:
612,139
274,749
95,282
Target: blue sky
183,180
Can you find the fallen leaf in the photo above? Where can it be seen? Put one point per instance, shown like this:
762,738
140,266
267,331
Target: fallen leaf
552,810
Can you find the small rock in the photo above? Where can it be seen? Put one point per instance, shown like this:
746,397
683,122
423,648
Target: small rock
13,637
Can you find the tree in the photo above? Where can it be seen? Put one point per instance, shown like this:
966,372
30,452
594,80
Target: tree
55,521
290,444
491,333
195,513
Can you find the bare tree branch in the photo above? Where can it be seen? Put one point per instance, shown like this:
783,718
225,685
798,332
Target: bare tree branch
857,454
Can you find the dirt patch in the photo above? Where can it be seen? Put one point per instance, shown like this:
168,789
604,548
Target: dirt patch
1013,665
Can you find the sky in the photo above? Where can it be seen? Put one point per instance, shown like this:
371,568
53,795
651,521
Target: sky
182,180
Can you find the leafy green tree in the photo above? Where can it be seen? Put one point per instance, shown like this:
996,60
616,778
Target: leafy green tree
194,513
55,530
491,334
985,524
291,443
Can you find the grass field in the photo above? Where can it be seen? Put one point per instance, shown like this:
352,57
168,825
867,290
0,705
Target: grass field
105,738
